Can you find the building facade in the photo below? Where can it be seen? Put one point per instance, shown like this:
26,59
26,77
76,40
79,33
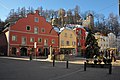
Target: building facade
80,41
32,33
112,40
67,41
103,41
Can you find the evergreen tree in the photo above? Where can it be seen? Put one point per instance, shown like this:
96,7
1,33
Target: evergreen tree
91,44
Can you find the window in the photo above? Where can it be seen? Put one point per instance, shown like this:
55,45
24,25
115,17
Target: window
28,28
36,30
23,40
106,45
73,43
79,32
79,44
70,35
14,38
45,42
31,39
62,42
36,19
42,30
65,34
39,40
67,42
53,41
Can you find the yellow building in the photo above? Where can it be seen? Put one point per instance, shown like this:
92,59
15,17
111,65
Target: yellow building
67,41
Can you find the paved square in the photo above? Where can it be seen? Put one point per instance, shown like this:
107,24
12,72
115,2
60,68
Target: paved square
42,70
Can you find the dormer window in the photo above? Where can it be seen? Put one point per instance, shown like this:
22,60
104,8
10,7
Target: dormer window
36,19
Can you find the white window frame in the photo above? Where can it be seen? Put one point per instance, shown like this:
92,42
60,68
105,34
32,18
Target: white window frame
22,40
62,42
32,39
35,30
45,42
36,19
14,38
40,41
27,26
53,41
42,30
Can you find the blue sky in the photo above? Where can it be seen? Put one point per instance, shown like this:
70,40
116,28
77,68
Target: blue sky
99,6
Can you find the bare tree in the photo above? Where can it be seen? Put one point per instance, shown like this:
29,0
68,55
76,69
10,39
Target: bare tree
76,14
113,23
40,9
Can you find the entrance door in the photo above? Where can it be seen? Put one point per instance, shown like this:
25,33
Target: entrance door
45,51
40,52
14,51
23,51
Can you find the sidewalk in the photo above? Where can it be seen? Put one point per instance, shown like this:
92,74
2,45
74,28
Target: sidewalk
75,60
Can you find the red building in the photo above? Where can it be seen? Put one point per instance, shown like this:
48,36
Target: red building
34,28
81,35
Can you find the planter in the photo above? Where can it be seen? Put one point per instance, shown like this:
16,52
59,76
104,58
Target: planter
62,57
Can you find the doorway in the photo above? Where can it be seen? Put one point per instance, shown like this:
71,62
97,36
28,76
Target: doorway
23,51
14,51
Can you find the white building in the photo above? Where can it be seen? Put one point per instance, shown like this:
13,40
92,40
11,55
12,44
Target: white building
118,43
103,41
112,40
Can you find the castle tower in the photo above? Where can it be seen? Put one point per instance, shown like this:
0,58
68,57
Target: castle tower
89,22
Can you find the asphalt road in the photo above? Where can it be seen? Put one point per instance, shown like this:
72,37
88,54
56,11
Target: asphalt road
37,70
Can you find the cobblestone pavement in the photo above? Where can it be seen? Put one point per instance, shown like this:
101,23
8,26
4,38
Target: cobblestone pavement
41,69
